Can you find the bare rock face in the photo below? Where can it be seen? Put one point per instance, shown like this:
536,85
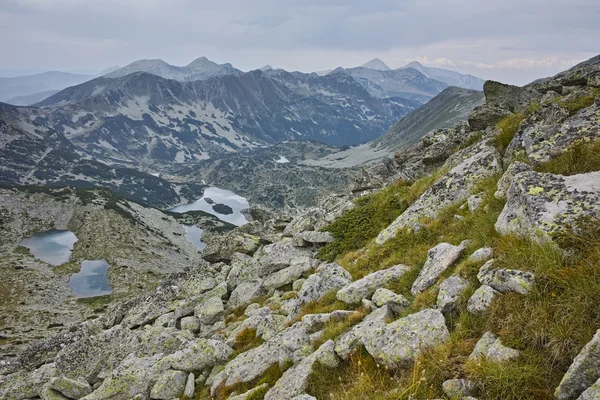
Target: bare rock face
540,203
450,291
365,287
583,372
439,258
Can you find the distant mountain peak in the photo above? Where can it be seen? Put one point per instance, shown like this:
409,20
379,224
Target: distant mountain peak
377,64
201,62
266,68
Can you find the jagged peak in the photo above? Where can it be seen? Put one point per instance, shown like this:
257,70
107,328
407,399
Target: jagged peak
377,64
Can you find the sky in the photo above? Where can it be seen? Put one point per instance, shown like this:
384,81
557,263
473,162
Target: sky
513,41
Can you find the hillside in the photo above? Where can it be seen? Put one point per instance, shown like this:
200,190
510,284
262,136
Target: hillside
465,269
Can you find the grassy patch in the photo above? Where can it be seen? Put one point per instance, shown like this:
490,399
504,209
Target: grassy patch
21,250
245,341
372,213
581,102
580,158
325,304
334,329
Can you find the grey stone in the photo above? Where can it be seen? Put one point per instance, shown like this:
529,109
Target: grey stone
209,311
279,255
298,266
506,280
474,201
245,293
540,204
329,277
365,287
481,300
243,268
482,254
450,291
308,238
348,342
250,392
197,356
458,388
190,386
191,324
398,343
439,258
491,348
396,302
591,393
583,372
504,182
169,385
70,388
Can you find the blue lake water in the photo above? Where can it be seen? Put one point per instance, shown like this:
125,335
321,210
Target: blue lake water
213,196
53,247
91,280
194,235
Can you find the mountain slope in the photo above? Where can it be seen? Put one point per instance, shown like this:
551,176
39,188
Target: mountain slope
143,117
32,84
201,68
377,64
30,99
451,78
443,111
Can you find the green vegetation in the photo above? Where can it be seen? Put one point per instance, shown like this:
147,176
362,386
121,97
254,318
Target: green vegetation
581,102
21,250
580,158
372,213
245,341
333,329
325,304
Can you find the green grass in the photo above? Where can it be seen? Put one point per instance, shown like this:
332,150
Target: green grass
245,341
325,304
21,250
581,102
334,329
580,158
372,213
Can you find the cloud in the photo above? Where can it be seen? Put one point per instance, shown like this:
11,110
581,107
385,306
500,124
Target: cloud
436,62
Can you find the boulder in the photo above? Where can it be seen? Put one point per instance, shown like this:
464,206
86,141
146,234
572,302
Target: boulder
504,182
438,260
482,254
243,268
365,287
453,187
70,388
591,393
222,248
50,394
486,115
190,387
252,393
295,380
491,348
329,277
450,291
169,385
199,355
298,266
458,388
474,201
481,300
583,372
191,324
544,204
506,280
26,384
245,293
312,238
348,342
398,343
279,255
396,302
209,311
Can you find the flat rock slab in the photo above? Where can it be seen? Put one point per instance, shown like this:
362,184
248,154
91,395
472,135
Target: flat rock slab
365,287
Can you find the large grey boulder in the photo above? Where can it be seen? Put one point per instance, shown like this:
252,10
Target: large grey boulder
311,238
329,277
197,356
455,186
396,302
245,293
583,372
504,182
279,255
458,388
348,342
439,259
450,291
543,204
210,310
506,280
482,254
298,266
243,268
253,363
491,348
481,300
223,248
26,384
70,388
295,380
398,343
169,385
365,287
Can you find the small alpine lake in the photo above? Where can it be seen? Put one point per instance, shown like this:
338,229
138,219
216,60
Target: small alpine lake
91,280
53,247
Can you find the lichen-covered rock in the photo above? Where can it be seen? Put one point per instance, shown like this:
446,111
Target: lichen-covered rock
490,347
295,380
279,255
543,204
197,356
223,248
481,300
253,363
365,287
70,388
243,268
266,326
50,394
450,291
458,388
191,324
328,277
398,343
133,377
482,254
316,322
474,201
486,115
396,302
591,393
438,260
245,293
583,372
298,266
348,342
309,238
25,384
506,280
169,385
209,311
504,182
455,186
190,386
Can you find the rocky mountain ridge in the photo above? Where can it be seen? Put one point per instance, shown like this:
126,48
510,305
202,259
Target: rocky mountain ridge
472,276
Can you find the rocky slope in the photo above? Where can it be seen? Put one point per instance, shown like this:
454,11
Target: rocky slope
475,278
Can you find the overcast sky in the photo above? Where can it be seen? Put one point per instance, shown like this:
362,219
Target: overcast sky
513,41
